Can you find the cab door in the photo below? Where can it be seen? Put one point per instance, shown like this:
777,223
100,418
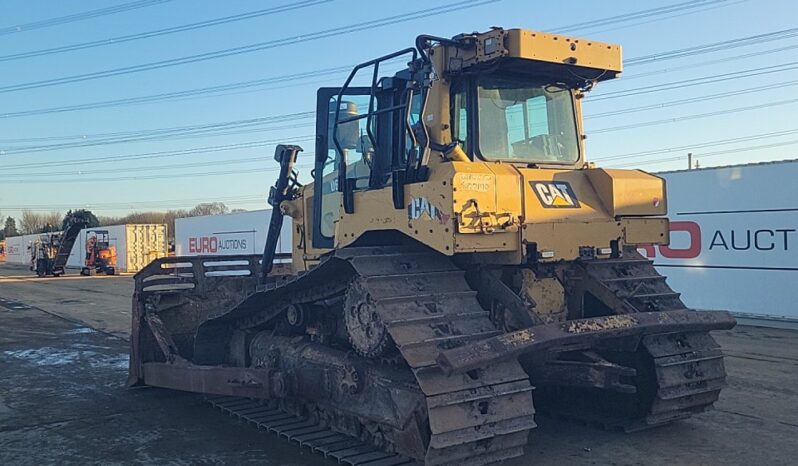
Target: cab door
356,150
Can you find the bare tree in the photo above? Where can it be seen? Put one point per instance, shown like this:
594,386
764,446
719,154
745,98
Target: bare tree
169,220
33,222
52,221
105,220
143,217
168,217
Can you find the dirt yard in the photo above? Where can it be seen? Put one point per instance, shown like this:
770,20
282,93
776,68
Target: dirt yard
63,364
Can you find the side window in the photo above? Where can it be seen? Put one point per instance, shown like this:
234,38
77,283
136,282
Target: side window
414,117
415,109
353,137
358,150
459,116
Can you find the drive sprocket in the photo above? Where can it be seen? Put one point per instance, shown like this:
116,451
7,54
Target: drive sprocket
366,332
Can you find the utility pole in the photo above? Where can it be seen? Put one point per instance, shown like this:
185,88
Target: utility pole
689,160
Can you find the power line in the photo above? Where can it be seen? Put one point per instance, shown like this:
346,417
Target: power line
712,154
167,96
268,119
222,131
315,36
157,202
643,14
211,163
64,173
162,154
203,128
209,132
671,103
158,133
250,159
211,128
702,63
185,94
697,81
141,207
311,114
45,23
693,116
165,31
717,142
713,47
274,43
670,16
154,177
694,146
170,96
302,166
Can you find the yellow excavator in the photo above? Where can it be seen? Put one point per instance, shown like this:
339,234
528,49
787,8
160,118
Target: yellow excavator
456,265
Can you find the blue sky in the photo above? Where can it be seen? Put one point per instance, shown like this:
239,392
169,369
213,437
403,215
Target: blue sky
155,183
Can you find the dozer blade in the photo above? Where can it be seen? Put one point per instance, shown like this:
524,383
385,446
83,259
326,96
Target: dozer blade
578,334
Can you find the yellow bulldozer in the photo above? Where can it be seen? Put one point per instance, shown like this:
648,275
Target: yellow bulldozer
456,266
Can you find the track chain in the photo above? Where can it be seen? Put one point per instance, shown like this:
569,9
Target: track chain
690,374
333,445
480,417
687,368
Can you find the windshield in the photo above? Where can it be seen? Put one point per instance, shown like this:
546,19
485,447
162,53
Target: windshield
533,123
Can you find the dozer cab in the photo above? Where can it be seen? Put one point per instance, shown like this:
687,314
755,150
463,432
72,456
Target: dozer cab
456,264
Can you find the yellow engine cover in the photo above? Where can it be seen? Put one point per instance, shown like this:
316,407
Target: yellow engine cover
501,209
558,210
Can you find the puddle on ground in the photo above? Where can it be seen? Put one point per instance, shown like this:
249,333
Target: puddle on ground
48,356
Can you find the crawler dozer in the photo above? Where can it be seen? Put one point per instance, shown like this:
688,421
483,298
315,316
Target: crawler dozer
456,265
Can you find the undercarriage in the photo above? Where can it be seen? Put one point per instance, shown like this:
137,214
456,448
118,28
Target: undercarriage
411,356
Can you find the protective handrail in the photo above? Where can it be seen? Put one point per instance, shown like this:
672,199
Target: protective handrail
193,270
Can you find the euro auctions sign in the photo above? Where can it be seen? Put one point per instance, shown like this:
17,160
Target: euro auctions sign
215,245
688,241
734,238
240,233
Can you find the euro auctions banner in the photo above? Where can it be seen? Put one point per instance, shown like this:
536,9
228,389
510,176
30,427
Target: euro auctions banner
224,243
734,238
230,234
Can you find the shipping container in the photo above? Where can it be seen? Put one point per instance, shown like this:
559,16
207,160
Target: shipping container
135,246
18,248
734,238
228,234
15,249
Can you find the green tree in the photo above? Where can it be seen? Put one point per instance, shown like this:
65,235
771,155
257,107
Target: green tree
208,208
91,219
10,228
